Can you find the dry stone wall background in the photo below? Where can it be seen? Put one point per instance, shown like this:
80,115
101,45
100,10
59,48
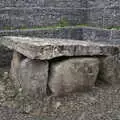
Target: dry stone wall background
29,13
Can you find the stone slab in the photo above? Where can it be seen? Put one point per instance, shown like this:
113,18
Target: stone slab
75,74
49,48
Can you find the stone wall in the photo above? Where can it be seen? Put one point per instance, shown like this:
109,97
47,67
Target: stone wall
102,3
65,33
43,3
59,3
28,13
103,13
104,17
75,33
101,35
34,17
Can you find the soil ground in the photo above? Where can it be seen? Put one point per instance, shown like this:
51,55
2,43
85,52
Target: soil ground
100,103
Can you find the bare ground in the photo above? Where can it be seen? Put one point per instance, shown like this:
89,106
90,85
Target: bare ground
100,103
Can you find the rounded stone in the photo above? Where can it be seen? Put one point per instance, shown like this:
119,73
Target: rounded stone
72,75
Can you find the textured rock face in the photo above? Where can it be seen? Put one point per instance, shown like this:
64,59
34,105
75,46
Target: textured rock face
15,65
29,17
103,3
29,74
104,17
73,75
34,76
28,13
110,69
43,3
37,48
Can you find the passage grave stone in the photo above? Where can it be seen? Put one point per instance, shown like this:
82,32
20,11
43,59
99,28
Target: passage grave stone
60,65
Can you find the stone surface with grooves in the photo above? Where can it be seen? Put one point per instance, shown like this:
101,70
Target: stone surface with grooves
49,48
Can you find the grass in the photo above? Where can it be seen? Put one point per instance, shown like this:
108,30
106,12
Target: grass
114,28
62,24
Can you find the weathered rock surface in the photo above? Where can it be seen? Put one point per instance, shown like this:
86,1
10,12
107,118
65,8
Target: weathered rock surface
36,48
29,74
73,75
33,76
15,65
110,69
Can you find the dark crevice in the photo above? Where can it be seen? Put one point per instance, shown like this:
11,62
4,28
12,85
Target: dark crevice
48,90
62,58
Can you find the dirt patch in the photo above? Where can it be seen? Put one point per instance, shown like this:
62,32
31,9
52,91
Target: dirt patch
100,103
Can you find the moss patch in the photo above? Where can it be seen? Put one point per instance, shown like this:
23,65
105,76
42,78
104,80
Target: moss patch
62,24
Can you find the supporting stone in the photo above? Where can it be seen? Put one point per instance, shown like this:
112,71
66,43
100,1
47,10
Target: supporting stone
73,75
30,75
33,76
110,69
15,64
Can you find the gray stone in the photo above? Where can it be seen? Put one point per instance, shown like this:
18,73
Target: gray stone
15,65
73,75
29,17
102,3
65,33
22,14
33,76
43,3
96,34
37,48
95,3
95,17
111,17
110,69
115,35
105,17
30,75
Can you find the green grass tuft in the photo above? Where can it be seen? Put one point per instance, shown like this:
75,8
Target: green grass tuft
63,23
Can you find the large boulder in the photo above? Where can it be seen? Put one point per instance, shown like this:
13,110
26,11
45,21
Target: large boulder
73,75
110,69
30,75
